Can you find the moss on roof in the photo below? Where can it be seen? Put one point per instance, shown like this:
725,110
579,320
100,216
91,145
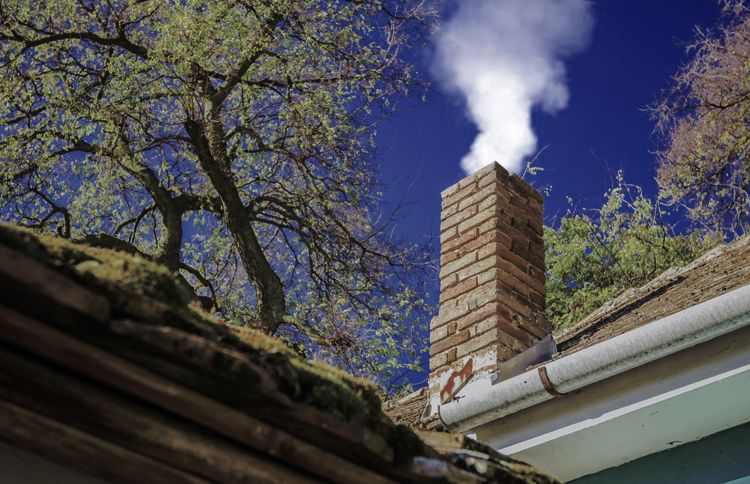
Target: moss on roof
313,383
719,271
151,319
133,272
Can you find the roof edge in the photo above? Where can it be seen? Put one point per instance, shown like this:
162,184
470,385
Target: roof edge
481,402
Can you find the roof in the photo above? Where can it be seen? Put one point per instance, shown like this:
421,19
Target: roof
719,271
110,367
410,409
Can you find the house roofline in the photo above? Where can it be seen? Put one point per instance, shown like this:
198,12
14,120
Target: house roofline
481,402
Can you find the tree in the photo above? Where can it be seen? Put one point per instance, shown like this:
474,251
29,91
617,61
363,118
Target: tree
229,140
594,255
705,121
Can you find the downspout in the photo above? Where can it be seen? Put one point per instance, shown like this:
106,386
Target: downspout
481,401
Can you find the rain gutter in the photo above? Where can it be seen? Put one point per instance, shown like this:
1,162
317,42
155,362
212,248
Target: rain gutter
480,401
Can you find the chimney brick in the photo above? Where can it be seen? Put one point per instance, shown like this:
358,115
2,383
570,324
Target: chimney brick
492,273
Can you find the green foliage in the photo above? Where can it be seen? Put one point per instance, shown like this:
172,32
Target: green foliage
594,255
705,119
704,168
229,141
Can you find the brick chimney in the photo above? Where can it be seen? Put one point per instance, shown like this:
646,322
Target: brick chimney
491,274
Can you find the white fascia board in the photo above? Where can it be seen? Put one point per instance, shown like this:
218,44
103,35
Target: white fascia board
682,398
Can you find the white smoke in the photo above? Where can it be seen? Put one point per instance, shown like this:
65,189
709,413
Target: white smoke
505,57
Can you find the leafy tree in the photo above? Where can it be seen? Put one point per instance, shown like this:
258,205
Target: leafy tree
705,119
594,255
229,140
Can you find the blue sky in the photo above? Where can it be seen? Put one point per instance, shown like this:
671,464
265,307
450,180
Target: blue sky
634,48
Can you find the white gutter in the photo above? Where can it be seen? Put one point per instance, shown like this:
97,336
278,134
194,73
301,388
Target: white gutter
480,401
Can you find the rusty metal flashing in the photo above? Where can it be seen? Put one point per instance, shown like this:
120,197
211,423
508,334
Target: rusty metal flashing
456,381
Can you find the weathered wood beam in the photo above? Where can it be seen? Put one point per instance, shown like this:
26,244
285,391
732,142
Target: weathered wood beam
45,283
71,447
233,378
187,354
112,371
194,360
117,419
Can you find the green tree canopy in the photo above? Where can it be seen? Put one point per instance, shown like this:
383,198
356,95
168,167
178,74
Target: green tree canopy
705,120
229,140
596,254
703,167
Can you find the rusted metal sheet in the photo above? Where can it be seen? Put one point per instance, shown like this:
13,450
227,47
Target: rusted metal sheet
456,381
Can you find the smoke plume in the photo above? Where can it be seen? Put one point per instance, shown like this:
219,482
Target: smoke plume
505,57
